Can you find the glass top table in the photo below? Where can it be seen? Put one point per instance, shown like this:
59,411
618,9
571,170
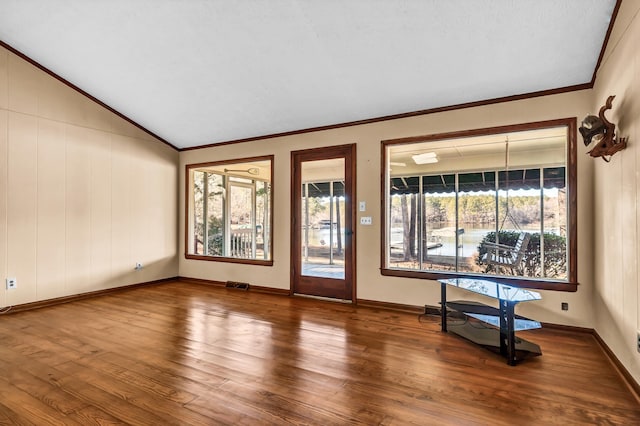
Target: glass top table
501,323
493,289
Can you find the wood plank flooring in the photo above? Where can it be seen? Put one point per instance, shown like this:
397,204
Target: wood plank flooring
189,354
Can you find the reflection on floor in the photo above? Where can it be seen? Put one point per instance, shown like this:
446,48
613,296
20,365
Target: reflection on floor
323,270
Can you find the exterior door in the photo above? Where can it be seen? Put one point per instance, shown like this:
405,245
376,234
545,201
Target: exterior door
323,222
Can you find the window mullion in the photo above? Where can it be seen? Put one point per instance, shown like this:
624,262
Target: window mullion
306,221
497,193
205,214
542,263
457,233
420,224
253,220
331,223
227,216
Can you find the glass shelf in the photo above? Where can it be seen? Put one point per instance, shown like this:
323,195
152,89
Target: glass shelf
493,289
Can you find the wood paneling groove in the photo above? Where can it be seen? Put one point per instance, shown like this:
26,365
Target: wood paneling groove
79,198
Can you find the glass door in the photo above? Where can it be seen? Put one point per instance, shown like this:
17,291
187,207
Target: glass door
323,240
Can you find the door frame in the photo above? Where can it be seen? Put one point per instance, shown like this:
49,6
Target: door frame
348,152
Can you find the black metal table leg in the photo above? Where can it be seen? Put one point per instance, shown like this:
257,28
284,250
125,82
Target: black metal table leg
507,331
443,306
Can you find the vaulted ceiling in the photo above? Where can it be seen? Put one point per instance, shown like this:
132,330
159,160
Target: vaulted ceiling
201,72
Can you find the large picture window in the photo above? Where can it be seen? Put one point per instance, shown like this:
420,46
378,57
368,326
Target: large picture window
494,202
229,212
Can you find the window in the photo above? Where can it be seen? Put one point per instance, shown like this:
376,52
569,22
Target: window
229,211
494,202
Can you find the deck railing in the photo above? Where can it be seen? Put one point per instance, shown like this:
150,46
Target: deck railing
241,244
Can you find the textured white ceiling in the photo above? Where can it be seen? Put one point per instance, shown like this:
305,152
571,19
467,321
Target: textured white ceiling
199,72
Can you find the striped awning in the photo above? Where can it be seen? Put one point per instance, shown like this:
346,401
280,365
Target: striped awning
553,177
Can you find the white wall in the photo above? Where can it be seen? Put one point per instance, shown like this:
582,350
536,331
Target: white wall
83,193
616,189
371,284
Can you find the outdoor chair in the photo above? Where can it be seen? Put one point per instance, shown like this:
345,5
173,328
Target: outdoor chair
505,256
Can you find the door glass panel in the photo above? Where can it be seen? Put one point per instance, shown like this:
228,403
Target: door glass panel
323,218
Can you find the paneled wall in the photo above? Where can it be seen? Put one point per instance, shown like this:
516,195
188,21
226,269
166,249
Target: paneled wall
84,195
616,187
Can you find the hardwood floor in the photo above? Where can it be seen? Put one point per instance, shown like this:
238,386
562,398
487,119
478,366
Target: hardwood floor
181,353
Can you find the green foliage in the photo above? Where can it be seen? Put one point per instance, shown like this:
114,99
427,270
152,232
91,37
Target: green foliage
436,209
555,256
216,236
473,208
476,208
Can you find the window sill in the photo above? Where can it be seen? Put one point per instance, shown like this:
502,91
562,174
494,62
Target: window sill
230,260
515,281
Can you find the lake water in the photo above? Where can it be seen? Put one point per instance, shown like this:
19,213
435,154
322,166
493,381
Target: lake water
320,237
469,240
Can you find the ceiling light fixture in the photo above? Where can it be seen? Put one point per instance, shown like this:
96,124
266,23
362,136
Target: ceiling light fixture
425,158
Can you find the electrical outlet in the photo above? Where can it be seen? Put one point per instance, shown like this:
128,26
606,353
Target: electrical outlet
138,266
12,283
564,306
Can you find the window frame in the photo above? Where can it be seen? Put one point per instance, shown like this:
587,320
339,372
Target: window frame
571,284
189,203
